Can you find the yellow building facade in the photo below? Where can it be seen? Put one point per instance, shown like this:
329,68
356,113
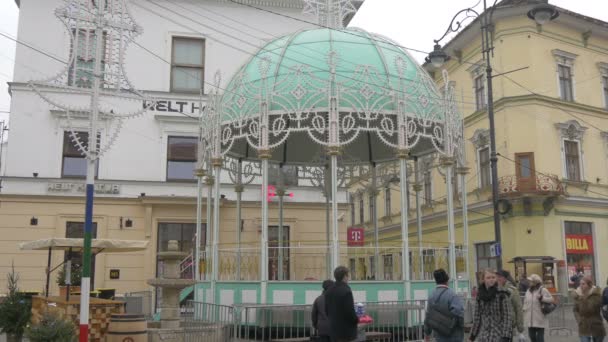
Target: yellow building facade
551,110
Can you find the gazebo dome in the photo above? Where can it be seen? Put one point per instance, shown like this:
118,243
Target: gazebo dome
294,82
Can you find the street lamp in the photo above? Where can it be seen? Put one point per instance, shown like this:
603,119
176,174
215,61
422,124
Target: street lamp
541,14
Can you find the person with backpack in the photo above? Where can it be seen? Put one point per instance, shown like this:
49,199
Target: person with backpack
445,312
587,304
493,319
340,308
319,316
534,318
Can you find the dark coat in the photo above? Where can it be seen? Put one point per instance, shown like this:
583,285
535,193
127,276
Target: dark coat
319,316
493,319
587,313
340,308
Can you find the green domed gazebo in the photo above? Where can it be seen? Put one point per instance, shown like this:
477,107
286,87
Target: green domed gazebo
330,92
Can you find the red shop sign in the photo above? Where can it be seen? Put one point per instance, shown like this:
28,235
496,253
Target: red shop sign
355,236
579,244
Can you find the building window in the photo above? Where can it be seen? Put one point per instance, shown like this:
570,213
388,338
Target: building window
573,160
185,235
372,204
605,83
372,268
74,163
187,64
352,264
83,51
565,82
388,266
579,250
387,201
428,188
361,210
75,230
485,259
485,169
181,158
480,95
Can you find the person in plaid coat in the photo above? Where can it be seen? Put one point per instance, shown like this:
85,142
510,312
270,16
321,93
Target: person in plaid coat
493,320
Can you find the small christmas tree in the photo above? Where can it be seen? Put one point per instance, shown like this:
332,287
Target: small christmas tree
15,310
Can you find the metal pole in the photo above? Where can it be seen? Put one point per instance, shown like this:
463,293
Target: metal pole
374,212
418,188
326,192
334,210
280,193
209,224
465,220
90,180
217,166
449,164
199,208
487,50
264,241
405,258
239,195
48,263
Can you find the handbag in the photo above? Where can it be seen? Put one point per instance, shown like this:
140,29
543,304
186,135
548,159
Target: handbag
546,308
438,320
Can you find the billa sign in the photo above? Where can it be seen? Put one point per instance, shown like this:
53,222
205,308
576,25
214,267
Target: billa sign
114,274
579,244
355,236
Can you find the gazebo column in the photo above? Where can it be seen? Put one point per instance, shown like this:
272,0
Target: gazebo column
335,260
374,212
462,172
238,189
209,225
264,155
217,169
402,154
280,194
200,173
418,188
448,164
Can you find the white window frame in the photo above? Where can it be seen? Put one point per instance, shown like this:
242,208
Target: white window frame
580,160
478,70
566,59
169,56
572,131
478,155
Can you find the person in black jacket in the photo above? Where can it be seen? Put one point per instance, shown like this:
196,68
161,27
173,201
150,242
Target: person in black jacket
340,308
319,316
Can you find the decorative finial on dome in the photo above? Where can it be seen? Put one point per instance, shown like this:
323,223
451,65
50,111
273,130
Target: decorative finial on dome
330,13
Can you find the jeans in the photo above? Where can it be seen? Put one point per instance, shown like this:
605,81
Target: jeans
536,334
591,339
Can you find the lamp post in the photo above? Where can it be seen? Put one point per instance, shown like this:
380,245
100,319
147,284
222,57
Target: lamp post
541,14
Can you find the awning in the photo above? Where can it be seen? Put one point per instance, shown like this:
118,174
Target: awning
97,245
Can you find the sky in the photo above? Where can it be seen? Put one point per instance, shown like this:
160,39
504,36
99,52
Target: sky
413,24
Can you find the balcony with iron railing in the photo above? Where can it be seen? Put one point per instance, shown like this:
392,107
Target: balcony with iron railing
540,185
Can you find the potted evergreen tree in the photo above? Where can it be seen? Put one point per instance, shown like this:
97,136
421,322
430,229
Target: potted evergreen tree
75,276
15,310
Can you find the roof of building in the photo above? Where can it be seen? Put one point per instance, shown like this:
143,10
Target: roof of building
520,6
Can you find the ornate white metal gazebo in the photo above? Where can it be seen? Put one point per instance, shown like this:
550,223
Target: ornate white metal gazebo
354,96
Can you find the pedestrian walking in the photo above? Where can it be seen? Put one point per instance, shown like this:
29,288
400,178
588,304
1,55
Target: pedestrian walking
319,316
493,320
445,313
534,318
340,308
505,280
587,305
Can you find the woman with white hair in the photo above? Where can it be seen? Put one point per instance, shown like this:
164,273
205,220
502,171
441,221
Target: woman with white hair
534,318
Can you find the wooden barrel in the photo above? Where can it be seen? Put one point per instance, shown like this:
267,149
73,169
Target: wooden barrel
127,328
